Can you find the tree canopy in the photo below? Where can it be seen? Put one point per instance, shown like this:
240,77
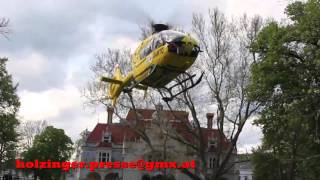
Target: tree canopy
52,144
285,79
9,105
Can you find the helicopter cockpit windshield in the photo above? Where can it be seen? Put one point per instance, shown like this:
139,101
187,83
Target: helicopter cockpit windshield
169,35
160,39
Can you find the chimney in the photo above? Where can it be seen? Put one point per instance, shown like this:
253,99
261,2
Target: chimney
210,120
159,107
110,113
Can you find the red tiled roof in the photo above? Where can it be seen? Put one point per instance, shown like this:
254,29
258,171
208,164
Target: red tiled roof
96,135
119,131
184,131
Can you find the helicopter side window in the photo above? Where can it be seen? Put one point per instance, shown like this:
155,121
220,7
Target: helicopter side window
153,45
157,42
145,51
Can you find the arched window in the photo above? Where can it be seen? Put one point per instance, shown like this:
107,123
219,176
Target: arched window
112,176
93,176
212,162
146,177
158,177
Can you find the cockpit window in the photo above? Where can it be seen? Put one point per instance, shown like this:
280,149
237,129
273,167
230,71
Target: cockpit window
170,35
146,50
158,40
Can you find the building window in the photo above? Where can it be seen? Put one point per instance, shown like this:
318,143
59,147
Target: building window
104,157
107,138
211,163
212,142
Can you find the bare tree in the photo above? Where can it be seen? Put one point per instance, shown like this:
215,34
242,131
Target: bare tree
29,130
226,60
78,144
146,30
4,29
95,91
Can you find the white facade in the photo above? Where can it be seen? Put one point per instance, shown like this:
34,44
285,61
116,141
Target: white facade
245,171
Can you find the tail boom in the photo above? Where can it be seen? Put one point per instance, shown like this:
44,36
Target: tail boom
117,84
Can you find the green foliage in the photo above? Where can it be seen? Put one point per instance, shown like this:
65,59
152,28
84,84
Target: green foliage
52,144
9,105
286,79
269,169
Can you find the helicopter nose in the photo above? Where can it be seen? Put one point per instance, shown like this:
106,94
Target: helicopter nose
184,45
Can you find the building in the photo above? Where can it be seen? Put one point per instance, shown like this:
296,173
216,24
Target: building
244,167
245,171
126,141
10,174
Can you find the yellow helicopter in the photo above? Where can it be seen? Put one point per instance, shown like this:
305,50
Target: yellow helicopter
158,60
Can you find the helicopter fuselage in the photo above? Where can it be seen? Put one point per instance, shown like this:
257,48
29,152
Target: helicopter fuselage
159,59
156,62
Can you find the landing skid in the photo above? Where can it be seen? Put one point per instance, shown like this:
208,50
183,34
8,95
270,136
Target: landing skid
166,92
183,83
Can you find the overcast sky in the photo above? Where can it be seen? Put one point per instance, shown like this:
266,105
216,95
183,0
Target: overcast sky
54,42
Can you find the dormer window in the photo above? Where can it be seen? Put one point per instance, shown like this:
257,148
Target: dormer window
107,137
212,143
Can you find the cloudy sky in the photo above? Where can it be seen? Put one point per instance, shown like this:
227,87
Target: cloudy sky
53,43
